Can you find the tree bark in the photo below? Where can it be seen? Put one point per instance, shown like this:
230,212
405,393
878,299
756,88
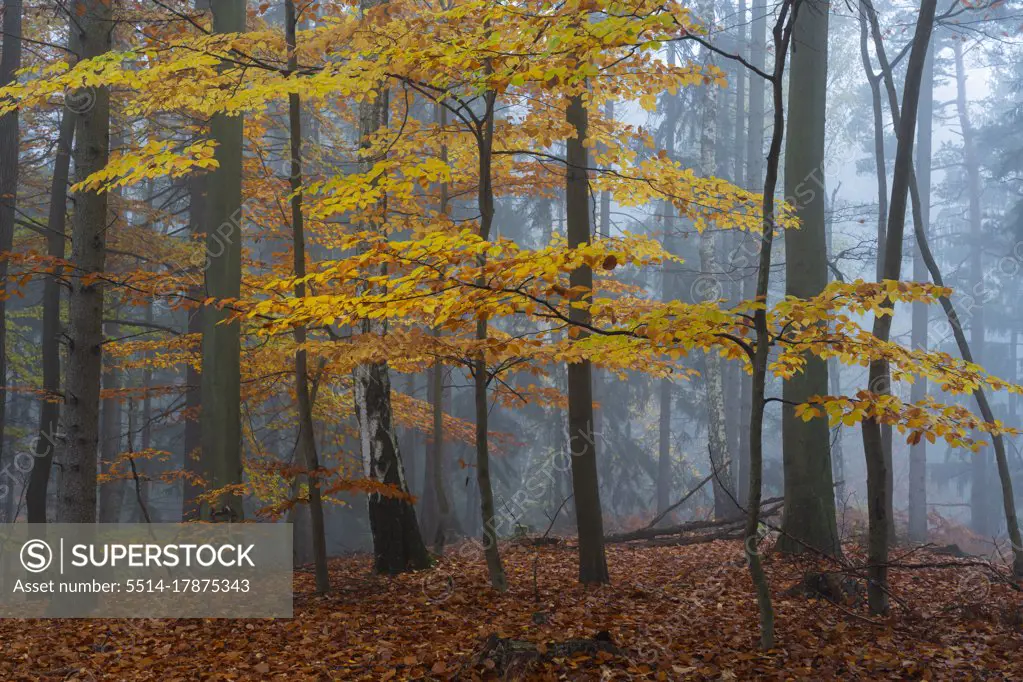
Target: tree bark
585,483
220,418
77,497
809,517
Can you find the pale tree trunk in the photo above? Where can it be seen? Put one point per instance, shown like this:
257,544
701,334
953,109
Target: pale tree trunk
747,258
880,165
717,437
835,376
50,350
879,375
918,451
10,142
809,516
77,498
306,447
582,446
397,543
980,516
671,289
220,419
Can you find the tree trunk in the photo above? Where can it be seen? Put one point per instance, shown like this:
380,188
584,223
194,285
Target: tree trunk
809,517
306,446
782,34
397,543
879,376
980,516
50,349
111,493
754,181
77,498
918,451
10,143
670,290
192,448
717,436
585,483
220,419
481,374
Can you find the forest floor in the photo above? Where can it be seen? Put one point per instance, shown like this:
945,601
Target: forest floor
671,613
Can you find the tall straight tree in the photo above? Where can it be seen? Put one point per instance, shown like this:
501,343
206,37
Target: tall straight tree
671,289
10,141
918,450
306,446
717,437
755,159
220,418
93,22
50,351
809,518
397,543
581,443
980,508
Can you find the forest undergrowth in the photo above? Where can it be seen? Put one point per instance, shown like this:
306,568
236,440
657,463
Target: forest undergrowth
671,613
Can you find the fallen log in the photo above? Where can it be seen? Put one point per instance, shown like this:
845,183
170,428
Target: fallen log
516,658
768,508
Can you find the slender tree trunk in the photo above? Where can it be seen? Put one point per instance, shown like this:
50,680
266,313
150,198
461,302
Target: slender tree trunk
397,543
980,516
918,451
879,376
439,519
50,351
880,164
782,35
10,143
585,483
717,437
306,434
748,259
481,374
77,498
111,493
809,517
220,419
671,286
835,379
192,448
